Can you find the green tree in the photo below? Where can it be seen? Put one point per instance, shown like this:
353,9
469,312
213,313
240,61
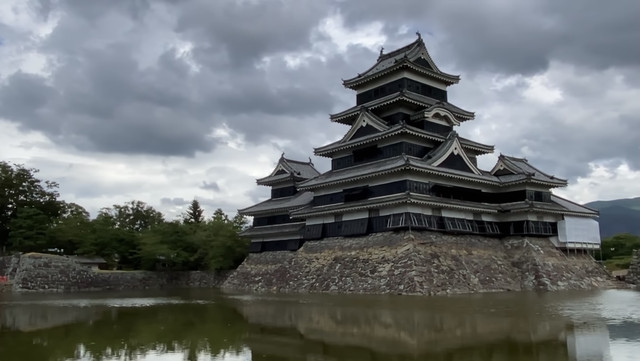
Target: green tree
72,230
117,233
239,222
168,246
619,245
30,230
25,199
133,216
195,213
222,245
220,216
211,245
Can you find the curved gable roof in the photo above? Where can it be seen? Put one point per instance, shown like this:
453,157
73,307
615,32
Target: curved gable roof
289,169
414,55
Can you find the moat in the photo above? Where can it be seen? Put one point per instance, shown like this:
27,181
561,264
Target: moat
208,325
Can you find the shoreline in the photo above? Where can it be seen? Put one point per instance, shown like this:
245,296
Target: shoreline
406,263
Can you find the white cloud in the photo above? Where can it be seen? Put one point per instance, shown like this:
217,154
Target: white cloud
540,89
369,35
605,181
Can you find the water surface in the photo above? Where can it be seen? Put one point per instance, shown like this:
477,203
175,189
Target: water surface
206,325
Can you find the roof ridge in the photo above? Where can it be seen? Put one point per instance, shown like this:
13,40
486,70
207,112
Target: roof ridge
572,202
400,50
298,161
513,157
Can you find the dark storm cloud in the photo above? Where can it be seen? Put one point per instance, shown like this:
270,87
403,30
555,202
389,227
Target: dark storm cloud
566,151
509,36
247,30
210,186
174,201
112,90
100,98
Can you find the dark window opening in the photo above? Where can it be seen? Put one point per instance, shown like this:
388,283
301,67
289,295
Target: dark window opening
438,128
398,85
365,154
271,220
356,194
313,231
283,192
354,227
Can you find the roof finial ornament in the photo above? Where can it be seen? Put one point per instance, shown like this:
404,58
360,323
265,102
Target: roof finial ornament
282,155
310,162
381,50
419,35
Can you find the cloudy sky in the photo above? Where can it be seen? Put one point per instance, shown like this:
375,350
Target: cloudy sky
168,100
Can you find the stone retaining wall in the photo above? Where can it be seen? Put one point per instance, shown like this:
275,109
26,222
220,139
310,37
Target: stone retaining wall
633,276
42,272
418,263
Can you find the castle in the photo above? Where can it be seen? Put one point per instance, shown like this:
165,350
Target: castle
401,165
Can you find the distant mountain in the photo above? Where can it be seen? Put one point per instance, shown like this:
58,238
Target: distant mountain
618,216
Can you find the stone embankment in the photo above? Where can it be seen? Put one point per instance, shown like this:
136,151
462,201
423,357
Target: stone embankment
423,263
633,276
43,272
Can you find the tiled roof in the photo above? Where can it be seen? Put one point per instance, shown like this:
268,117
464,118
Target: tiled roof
355,172
276,229
278,205
396,129
521,166
399,198
440,151
405,56
557,205
403,162
292,170
303,169
573,207
419,99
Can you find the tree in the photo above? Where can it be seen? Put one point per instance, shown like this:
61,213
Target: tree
28,198
117,233
30,230
620,245
195,213
169,246
220,216
133,216
72,230
240,222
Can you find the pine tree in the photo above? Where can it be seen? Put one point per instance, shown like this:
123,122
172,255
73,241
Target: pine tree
195,213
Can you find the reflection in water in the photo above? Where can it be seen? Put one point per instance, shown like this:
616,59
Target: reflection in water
495,327
589,342
200,325
187,325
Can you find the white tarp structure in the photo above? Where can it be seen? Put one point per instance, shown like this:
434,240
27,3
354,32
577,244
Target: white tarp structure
579,232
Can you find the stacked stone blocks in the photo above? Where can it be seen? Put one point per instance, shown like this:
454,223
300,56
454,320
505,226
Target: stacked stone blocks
633,276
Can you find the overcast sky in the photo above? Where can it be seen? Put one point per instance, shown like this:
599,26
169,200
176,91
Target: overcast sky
166,101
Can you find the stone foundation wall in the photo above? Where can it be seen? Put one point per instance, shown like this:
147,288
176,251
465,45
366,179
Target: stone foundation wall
42,272
633,276
423,263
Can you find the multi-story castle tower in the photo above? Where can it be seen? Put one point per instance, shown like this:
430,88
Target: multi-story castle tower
401,165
